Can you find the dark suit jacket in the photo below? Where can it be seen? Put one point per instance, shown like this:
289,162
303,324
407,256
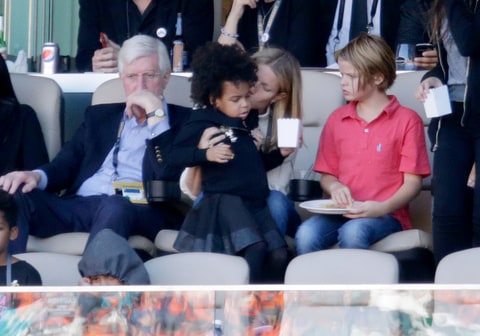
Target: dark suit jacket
120,20
390,19
81,157
22,146
294,29
413,27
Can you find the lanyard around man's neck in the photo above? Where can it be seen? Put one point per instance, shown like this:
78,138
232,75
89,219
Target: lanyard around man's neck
116,149
341,11
264,32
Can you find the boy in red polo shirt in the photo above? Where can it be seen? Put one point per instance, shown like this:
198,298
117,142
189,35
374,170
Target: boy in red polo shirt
372,154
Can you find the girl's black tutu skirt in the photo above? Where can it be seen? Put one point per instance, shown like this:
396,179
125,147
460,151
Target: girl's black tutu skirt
224,223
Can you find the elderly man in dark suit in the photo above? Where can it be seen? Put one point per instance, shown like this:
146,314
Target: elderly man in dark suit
116,142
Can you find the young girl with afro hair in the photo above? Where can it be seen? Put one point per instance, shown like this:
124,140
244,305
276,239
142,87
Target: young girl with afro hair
232,217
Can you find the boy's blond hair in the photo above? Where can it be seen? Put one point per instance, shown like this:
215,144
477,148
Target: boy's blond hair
370,55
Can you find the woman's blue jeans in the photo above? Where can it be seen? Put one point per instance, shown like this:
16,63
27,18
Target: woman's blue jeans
283,212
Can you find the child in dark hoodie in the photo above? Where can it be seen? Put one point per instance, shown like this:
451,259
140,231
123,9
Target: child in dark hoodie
108,260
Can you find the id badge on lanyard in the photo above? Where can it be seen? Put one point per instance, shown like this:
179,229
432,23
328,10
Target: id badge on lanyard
264,33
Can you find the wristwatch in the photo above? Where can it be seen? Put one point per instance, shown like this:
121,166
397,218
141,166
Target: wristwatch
157,113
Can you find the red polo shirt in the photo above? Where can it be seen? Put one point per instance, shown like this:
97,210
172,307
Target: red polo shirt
371,158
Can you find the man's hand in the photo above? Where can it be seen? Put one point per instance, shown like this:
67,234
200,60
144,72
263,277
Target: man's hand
105,59
11,181
140,103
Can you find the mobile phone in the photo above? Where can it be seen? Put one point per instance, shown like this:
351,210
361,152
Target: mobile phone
103,39
421,47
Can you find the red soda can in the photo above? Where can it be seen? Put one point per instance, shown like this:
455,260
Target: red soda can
50,56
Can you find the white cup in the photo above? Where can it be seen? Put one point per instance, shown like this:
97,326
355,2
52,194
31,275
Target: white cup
288,132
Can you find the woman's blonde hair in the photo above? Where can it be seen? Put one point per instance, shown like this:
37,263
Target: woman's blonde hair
370,55
287,70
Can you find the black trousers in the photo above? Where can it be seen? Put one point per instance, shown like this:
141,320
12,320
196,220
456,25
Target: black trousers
44,214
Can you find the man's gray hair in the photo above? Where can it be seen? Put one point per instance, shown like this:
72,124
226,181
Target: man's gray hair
140,46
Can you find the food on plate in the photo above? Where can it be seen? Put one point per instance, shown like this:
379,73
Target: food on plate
333,206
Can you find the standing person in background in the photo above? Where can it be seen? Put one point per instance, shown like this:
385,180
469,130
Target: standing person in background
122,19
21,139
372,154
287,24
277,94
414,28
378,17
455,137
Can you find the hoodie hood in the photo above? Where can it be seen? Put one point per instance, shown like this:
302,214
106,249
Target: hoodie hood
110,254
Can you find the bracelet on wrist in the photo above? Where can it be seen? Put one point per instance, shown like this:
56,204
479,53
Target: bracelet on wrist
225,33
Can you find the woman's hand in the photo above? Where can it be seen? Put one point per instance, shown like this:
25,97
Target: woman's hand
424,87
258,137
428,60
212,136
220,153
286,151
238,7
217,151
229,32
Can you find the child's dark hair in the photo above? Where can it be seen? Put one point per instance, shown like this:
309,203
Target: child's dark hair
213,64
9,208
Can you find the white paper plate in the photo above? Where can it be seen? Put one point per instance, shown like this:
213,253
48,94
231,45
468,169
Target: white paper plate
324,206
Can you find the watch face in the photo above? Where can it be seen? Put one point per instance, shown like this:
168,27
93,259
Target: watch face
159,112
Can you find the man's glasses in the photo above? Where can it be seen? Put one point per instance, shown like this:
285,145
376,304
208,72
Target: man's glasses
146,76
